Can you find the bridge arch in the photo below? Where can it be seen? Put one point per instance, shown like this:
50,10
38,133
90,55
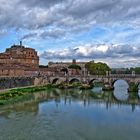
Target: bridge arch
138,84
92,81
121,80
138,88
74,80
57,81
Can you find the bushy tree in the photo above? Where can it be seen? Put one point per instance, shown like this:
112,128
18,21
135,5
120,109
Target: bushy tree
74,66
136,69
97,68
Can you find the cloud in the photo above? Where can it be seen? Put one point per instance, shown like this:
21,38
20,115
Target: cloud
30,35
124,53
78,21
34,14
71,16
57,33
92,51
41,3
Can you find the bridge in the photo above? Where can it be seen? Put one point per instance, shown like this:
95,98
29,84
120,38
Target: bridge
109,80
88,79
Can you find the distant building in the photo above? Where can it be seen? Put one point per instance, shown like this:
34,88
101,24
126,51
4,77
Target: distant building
119,70
66,64
18,60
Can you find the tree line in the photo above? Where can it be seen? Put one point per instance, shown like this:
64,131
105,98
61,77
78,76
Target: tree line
101,68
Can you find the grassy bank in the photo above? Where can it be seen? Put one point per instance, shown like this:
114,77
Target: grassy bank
73,85
26,93
18,94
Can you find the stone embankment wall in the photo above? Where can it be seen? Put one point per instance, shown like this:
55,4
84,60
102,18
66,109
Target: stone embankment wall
13,82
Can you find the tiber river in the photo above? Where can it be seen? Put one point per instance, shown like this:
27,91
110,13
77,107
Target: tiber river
72,115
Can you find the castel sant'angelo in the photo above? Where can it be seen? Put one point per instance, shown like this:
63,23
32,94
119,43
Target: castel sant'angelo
19,60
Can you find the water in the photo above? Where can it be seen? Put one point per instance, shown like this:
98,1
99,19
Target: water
139,90
71,115
121,90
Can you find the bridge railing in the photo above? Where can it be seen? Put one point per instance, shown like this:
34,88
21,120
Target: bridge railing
97,76
124,75
89,75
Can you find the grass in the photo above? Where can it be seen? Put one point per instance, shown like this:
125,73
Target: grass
18,94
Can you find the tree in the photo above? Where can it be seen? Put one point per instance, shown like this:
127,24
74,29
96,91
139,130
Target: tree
136,69
74,66
97,68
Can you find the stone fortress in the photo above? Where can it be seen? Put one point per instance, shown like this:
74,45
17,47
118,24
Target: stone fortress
18,61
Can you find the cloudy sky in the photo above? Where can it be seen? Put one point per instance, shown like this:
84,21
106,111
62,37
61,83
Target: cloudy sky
61,30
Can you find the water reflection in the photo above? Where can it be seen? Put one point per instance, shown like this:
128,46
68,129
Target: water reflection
79,113
139,93
121,95
121,90
68,97
97,89
139,90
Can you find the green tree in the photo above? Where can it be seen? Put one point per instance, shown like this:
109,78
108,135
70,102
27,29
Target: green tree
136,69
97,68
74,66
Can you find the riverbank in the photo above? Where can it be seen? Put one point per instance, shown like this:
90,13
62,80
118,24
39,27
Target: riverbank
17,94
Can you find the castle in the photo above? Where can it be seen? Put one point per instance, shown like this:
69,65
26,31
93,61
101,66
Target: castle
18,61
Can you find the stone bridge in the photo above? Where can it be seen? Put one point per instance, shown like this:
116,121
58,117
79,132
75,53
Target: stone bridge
10,82
105,79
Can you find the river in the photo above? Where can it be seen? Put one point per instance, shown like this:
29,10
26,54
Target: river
72,114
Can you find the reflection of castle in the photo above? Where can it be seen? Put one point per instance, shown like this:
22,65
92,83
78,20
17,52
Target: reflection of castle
18,61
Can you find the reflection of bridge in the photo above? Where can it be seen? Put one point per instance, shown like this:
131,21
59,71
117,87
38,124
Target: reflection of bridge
106,79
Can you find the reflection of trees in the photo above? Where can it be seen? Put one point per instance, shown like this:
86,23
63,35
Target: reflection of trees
26,106
88,97
67,96
133,107
57,101
41,96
